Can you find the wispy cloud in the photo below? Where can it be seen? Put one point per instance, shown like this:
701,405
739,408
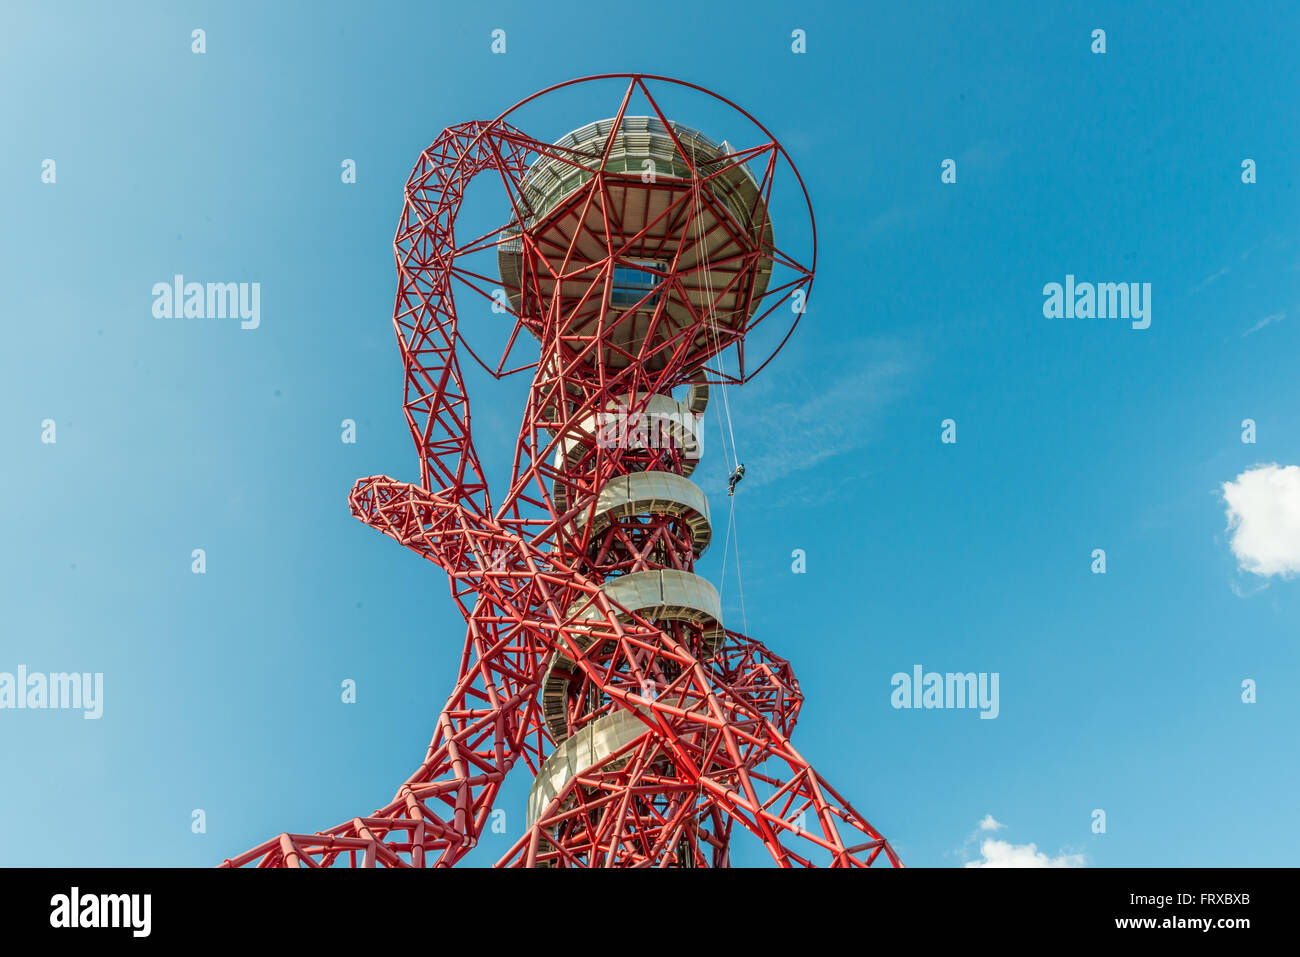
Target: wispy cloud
899,216
1267,320
1211,278
806,420
984,156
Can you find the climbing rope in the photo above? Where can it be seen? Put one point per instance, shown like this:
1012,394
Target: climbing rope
733,534
710,324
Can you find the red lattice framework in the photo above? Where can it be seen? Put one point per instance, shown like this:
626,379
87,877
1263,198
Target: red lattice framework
716,710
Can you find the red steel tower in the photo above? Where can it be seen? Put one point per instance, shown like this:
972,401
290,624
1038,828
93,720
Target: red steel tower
639,254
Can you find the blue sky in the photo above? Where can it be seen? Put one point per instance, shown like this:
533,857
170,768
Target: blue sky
1119,692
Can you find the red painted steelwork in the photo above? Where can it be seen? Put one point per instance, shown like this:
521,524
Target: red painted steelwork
717,711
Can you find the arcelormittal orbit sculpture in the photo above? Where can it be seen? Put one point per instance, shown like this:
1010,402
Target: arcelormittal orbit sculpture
639,254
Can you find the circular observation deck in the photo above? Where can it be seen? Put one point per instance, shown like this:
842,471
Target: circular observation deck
662,595
641,265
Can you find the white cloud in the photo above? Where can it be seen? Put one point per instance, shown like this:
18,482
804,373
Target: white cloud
789,424
1209,279
995,853
1263,509
1267,320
